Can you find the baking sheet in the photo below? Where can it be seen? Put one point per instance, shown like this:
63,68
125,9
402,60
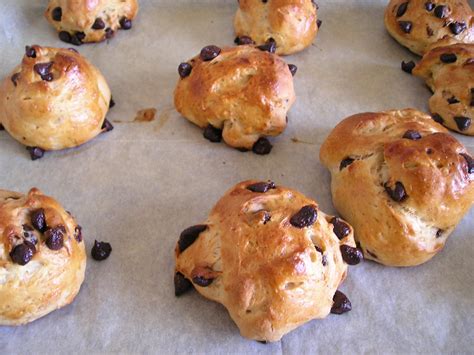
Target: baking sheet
139,186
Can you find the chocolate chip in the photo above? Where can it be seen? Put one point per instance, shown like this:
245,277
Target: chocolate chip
462,122
43,68
109,33
472,98
57,14
319,23
212,134
402,9
243,40
125,23
78,233
101,250
398,193
269,46
47,77
266,217
15,78
202,281
351,255
470,163
345,163
262,146
181,284
340,228
457,27
22,253
55,238
209,53
111,103
439,233
76,40
261,187
293,69
408,67
107,126
341,303
412,135
453,100
189,236
305,217
441,11
448,58
35,152
99,24
184,70
437,118
429,6
30,52
429,31
38,220
405,26
1,127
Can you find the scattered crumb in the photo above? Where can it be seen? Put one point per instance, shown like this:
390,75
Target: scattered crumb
145,115
296,140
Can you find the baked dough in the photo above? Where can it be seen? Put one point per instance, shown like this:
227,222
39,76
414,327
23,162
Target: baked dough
291,23
42,257
242,91
449,72
269,255
419,24
81,21
401,181
54,99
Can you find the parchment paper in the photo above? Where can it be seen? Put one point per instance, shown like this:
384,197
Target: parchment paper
139,186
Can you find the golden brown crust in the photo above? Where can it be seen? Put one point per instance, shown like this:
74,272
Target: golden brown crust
291,23
79,16
62,113
52,278
452,84
433,171
425,27
268,273
244,91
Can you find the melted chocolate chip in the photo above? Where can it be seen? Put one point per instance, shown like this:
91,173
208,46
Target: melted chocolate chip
107,126
43,69
189,236
319,23
111,103
472,98
345,163
98,24
340,228
78,233
1,127
269,46
462,122
209,53
453,100
202,281
429,31
429,6
101,250
22,253
125,23
351,255
441,11
38,220
55,237
75,39
64,36
470,163
109,33
181,284
412,135
212,134
243,40
402,9
30,52
405,26
439,233
57,14
293,69
408,67
262,146
398,193
184,70
437,118
448,58
266,217
261,187
305,217
457,27
35,152
341,303
15,78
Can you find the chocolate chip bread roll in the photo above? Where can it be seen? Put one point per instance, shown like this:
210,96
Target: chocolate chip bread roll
240,94
401,181
81,21
291,25
55,99
42,257
419,24
449,72
270,256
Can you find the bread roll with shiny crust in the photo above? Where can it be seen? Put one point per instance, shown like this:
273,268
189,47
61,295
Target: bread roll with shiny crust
401,181
54,99
449,72
244,91
291,23
50,278
270,275
90,20
418,24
